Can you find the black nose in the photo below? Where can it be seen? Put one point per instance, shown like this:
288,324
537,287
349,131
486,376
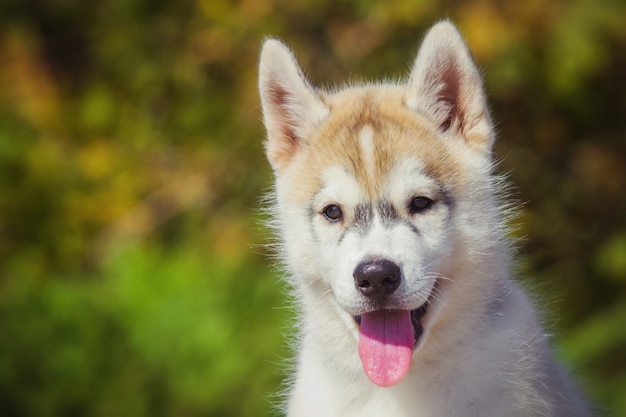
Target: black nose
377,278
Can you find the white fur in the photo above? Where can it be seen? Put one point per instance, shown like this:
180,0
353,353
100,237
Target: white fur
483,352
366,143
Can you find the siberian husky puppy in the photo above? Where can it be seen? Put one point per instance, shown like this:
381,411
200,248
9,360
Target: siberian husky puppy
394,243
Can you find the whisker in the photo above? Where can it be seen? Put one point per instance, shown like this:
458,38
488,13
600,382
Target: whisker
436,260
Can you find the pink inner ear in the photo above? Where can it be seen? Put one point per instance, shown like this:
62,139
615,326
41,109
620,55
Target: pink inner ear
449,96
446,84
283,140
280,107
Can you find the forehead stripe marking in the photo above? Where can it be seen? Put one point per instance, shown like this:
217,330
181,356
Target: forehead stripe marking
366,145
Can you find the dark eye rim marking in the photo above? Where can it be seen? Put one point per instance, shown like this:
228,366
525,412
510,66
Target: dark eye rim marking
420,204
332,213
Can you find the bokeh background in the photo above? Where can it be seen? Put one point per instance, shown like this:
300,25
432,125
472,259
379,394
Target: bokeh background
133,279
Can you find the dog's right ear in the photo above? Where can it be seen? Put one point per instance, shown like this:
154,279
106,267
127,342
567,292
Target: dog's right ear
291,107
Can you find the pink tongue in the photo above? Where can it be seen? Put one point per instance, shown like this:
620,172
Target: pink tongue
386,345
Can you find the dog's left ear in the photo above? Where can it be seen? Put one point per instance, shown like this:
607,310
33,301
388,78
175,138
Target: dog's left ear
446,85
291,107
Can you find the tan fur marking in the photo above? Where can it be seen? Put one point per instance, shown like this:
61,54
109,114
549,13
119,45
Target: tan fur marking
396,131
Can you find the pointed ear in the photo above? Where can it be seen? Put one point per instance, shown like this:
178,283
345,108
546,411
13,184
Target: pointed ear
446,86
291,108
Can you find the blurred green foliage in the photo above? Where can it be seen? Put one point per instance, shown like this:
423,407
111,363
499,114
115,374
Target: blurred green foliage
131,165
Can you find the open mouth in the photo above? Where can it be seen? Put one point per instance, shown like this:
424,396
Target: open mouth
416,317
387,340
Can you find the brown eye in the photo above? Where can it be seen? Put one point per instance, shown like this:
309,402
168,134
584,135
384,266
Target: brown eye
419,204
332,213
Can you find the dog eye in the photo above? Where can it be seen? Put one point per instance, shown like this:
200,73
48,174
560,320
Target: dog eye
332,213
419,204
